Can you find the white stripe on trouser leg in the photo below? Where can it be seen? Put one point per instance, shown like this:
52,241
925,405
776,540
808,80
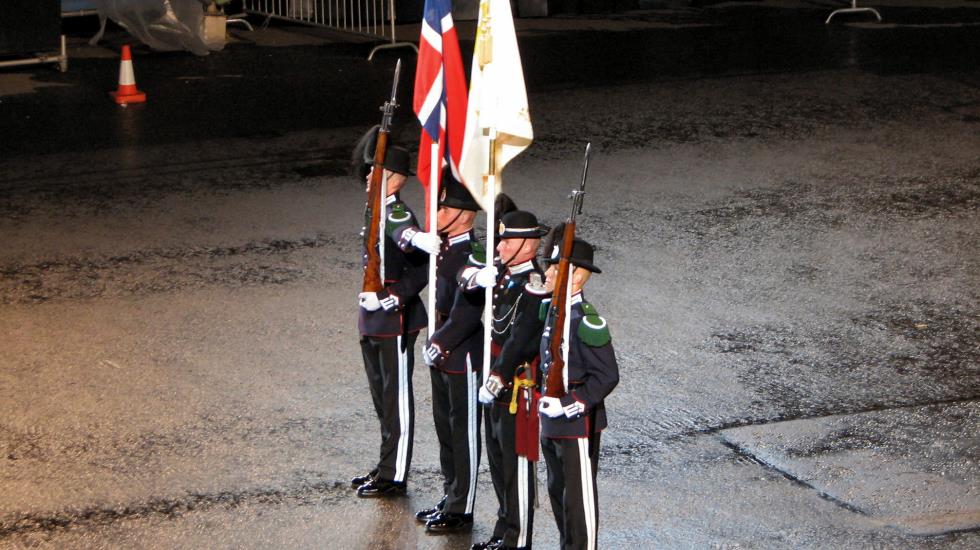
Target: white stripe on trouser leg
588,496
402,453
471,432
522,500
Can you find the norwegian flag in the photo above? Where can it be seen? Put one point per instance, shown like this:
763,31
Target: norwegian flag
440,92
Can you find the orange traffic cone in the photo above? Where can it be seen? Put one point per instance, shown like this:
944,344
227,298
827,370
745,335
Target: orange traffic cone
127,92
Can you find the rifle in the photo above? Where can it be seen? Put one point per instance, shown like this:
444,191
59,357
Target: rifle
373,281
555,384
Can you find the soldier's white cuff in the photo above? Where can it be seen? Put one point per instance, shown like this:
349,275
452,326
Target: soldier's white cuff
494,385
405,239
390,302
468,278
574,409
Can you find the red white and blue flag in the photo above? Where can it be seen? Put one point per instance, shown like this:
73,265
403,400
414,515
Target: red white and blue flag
440,92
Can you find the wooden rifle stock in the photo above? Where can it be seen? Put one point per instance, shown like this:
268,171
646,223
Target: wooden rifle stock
375,202
372,271
555,383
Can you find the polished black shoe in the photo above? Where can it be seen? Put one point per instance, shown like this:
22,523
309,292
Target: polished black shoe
423,516
444,522
356,482
379,487
492,544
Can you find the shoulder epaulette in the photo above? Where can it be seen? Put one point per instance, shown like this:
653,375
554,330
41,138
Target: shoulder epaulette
478,254
535,285
593,330
399,216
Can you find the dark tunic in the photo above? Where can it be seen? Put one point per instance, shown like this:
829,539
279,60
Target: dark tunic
517,326
406,274
592,375
459,331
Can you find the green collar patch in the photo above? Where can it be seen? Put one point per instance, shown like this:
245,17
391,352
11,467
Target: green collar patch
543,309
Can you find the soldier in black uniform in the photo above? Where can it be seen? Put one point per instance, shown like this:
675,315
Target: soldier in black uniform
570,426
454,353
389,322
516,333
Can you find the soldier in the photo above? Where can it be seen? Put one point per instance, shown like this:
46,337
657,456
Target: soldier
389,322
516,334
570,426
454,353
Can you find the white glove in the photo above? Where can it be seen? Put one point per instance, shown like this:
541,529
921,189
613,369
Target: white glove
369,301
550,407
427,242
431,353
485,396
487,276
390,302
491,389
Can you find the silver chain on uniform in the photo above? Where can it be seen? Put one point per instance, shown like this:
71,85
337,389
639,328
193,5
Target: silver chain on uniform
512,313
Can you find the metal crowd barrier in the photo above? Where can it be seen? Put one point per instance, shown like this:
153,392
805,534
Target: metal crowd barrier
853,9
30,33
78,8
374,18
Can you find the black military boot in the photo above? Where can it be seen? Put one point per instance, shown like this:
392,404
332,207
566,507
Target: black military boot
379,487
444,522
357,481
492,544
423,516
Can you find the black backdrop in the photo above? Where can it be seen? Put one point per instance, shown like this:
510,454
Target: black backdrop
29,26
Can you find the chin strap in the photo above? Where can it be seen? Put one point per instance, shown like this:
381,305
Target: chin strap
451,222
514,255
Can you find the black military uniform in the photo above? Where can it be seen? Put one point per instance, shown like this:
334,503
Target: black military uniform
388,337
570,441
516,335
455,355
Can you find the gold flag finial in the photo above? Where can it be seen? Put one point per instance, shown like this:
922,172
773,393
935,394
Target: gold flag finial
484,39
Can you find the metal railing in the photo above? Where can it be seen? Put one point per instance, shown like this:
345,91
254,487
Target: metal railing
374,18
61,59
853,9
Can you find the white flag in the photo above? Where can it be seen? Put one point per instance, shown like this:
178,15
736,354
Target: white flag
497,102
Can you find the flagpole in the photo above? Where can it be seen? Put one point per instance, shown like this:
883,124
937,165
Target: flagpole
491,251
431,214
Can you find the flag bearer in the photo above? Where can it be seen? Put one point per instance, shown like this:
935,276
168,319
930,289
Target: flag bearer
516,334
454,353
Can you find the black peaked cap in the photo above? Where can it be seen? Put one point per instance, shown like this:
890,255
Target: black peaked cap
583,255
455,195
397,158
363,155
520,224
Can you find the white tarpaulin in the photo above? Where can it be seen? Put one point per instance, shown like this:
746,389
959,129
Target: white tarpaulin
160,24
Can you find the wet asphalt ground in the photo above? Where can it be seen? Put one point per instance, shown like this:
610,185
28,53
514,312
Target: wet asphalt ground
785,213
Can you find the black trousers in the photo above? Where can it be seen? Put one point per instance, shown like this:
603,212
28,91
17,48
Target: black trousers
512,476
572,466
457,420
388,363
